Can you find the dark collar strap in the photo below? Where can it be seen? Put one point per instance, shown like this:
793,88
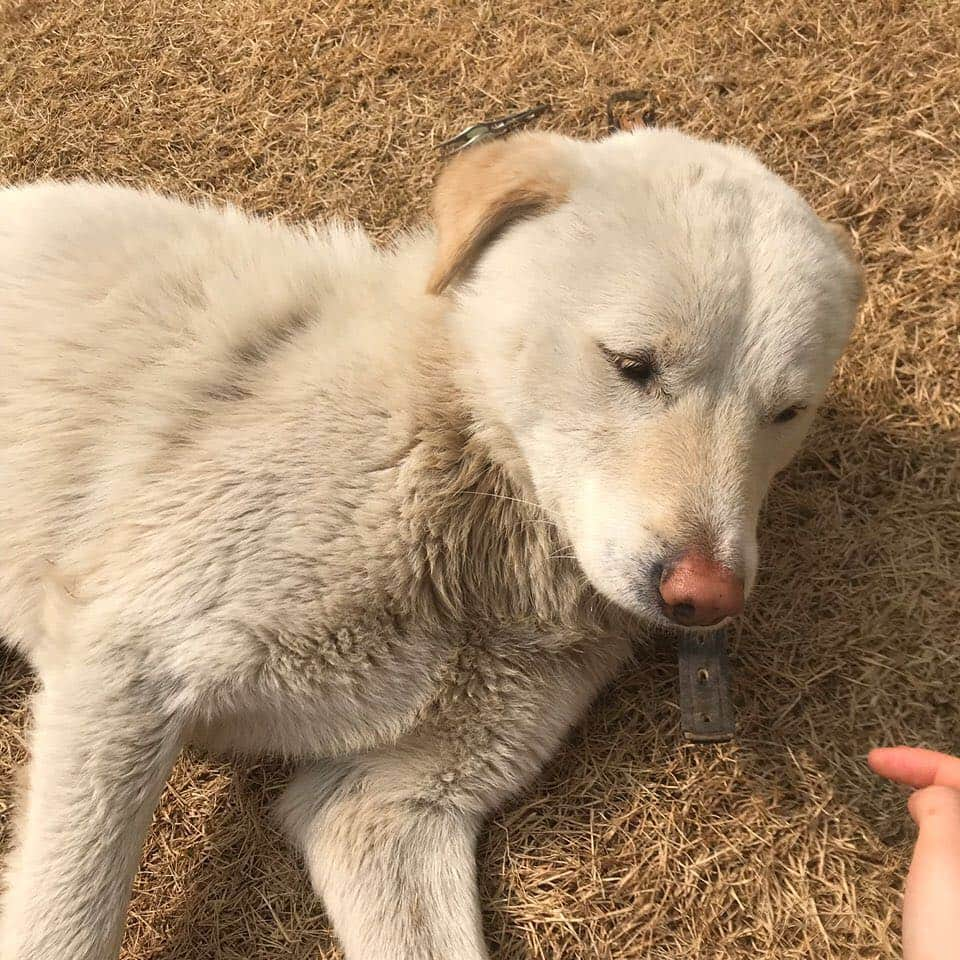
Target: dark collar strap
706,710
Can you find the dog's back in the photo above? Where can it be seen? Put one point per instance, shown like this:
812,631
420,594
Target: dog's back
136,327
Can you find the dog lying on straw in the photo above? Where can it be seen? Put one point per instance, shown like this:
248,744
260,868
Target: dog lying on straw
396,513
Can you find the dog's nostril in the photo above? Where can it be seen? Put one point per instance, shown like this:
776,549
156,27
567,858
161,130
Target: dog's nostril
684,611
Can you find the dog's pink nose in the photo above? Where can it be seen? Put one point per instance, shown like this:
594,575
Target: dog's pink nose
699,592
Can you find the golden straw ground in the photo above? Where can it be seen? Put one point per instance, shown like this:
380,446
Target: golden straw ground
633,845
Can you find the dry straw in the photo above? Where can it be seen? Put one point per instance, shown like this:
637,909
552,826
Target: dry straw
632,845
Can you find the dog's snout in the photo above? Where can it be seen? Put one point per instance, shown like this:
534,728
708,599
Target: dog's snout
698,591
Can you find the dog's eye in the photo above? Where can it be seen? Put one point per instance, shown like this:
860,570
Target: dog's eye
641,369
785,416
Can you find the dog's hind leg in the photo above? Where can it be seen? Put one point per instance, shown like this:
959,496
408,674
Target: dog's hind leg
101,748
389,835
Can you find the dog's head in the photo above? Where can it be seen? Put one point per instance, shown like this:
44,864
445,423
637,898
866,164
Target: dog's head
654,319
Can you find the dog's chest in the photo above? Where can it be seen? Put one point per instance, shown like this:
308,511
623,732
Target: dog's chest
328,688
370,681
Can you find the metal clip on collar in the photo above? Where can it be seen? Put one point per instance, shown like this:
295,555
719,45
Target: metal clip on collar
648,118
490,128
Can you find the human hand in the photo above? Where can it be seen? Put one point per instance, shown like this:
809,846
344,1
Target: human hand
931,902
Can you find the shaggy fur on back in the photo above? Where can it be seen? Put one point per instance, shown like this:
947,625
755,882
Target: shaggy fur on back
258,495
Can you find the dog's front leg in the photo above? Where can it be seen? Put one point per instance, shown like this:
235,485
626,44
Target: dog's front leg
388,836
101,748
395,871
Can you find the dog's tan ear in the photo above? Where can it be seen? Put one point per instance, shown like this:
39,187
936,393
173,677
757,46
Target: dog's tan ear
487,187
849,252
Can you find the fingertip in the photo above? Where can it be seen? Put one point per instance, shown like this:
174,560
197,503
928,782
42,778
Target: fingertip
889,761
936,807
915,766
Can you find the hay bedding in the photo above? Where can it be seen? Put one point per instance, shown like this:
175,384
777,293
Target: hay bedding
633,845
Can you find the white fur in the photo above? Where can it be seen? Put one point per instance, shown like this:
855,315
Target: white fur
262,491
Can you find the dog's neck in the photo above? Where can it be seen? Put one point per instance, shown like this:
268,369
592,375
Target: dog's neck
485,548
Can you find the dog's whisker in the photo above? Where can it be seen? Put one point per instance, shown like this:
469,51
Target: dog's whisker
502,496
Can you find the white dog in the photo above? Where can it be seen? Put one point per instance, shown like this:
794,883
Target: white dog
394,512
